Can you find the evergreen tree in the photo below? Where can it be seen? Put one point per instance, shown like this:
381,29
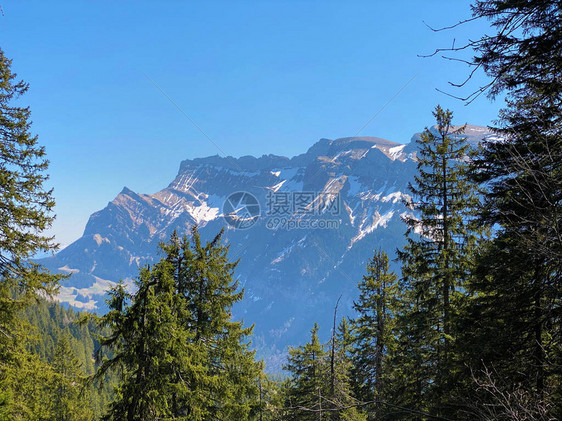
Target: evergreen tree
71,399
320,383
148,347
307,387
180,354
523,52
345,403
26,213
25,392
519,277
205,283
26,205
512,322
514,316
436,259
373,331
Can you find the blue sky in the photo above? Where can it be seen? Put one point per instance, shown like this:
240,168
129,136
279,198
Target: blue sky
258,77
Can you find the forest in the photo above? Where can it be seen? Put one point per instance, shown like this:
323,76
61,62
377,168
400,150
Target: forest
469,329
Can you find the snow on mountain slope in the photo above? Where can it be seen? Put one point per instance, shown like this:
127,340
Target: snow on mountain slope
292,274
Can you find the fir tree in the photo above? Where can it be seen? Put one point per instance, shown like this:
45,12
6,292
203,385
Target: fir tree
437,258
180,354
519,276
26,205
71,398
26,213
307,387
205,283
514,317
373,331
148,347
346,404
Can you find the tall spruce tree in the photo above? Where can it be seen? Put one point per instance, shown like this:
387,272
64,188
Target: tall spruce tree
180,354
307,388
436,259
148,345
26,212
205,283
514,317
373,332
26,204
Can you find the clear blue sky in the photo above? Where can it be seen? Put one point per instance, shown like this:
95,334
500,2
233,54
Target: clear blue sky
258,77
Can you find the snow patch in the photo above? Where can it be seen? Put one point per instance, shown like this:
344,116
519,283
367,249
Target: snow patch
277,186
203,213
396,151
284,253
69,294
66,269
394,197
368,226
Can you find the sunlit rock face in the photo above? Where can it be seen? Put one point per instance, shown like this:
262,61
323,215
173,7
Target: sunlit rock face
322,215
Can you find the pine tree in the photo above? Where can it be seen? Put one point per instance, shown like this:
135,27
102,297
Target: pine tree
180,354
205,283
436,259
346,404
514,316
519,276
320,385
307,387
71,399
26,205
148,347
523,52
373,331
26,213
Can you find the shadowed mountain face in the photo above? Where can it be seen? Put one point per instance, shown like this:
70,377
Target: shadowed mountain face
322,214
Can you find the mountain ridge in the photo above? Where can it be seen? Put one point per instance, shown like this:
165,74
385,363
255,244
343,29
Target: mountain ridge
292,277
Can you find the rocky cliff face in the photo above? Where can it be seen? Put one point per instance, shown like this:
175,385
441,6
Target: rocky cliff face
322,214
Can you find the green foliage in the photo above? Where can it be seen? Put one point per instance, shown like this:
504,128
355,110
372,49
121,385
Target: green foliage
205,282
68,387
436,262
179,354
472,331
523,52
313,390
307,386
26,205
49,360
26,212
515,315
373,332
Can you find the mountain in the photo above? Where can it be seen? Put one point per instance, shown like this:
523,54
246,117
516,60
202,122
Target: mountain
302,227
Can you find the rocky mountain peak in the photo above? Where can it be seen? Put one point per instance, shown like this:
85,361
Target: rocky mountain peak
322,214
